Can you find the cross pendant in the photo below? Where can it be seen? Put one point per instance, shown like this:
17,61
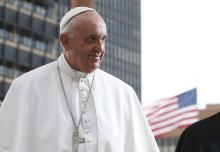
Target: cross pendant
77,140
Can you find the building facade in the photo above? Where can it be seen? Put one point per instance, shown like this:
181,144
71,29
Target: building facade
29,37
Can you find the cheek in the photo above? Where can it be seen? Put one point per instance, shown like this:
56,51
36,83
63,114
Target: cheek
77,53
83,56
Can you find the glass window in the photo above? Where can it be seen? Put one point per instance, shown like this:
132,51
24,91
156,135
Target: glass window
2,69
40,45
24,21
23,58
26,5
10,53
2,33
10,36
40,10
27,41
37,60
38,25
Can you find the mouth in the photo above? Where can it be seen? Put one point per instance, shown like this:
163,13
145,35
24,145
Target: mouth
95,56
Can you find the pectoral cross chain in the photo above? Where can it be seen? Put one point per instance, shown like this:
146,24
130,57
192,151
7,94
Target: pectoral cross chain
77,141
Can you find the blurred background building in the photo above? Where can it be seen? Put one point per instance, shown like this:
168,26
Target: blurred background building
29,37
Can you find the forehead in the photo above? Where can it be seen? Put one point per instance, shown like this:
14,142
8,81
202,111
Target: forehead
89,22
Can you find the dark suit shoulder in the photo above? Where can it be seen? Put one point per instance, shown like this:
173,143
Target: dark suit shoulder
202,136
207,123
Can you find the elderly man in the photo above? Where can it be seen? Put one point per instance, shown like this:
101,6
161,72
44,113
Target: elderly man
72,106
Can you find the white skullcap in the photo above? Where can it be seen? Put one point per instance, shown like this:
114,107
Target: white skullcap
71,13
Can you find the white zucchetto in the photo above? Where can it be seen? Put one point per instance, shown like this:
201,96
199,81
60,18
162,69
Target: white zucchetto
71,13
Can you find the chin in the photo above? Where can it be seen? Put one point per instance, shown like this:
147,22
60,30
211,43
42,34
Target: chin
92,68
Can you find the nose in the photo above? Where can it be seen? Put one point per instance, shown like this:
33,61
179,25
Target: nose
99,45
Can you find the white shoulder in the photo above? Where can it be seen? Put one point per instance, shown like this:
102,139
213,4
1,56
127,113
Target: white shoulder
115,82
110,77
37,73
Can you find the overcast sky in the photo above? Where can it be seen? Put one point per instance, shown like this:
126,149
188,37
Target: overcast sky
181,49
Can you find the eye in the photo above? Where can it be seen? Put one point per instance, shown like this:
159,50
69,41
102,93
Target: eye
103,38
91,39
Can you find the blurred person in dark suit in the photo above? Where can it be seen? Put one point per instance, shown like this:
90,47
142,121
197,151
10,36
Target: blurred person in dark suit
202,136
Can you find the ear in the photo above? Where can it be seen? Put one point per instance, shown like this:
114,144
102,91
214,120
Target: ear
65,41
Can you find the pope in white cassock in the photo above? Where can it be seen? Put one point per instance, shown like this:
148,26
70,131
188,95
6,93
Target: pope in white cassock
70,105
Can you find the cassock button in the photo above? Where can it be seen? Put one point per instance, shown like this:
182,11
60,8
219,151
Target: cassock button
82,80
87,120
87,131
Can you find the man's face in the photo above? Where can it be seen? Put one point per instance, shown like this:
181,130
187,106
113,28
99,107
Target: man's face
86,45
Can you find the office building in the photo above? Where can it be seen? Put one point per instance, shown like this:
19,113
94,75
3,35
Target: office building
28,36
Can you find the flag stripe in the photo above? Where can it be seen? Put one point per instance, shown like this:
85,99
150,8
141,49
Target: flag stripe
167,114
161,111
164,130
158,105
173,113
174,120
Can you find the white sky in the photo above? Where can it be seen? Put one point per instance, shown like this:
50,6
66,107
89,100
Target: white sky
181,49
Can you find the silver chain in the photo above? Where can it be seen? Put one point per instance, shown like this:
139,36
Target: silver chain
90,89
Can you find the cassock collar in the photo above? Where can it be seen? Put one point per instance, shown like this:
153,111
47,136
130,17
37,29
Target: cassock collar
68,70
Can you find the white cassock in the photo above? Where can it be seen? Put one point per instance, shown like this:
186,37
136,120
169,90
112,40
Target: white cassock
34,116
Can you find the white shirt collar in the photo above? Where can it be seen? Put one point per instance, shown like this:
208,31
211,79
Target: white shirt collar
67,69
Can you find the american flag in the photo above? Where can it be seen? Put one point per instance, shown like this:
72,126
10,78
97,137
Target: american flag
167,114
